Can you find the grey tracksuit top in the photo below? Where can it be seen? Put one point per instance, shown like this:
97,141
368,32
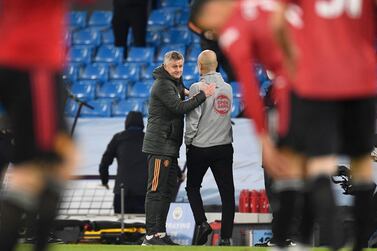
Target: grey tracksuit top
210,123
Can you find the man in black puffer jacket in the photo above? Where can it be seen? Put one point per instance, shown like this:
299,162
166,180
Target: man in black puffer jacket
126,147
163,138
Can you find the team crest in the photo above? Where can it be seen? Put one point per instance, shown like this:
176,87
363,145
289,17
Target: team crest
222,105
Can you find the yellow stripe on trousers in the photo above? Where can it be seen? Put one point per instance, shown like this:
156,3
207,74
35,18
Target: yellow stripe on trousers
156,174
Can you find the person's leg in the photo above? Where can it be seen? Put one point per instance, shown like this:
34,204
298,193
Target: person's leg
43,150
221,166
197,167
138,21
358,131
116,203
120,25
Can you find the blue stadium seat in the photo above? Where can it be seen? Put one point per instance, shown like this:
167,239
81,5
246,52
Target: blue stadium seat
107,37
77,19
177,36
264,87
174,3
236,108
261,73
93,83
84,91
140,90
190,72
86,37
80,55
68,39
193,53
123,107
195,38
146,72
223,74
182,18
236,89
153,37
97,72
170,47
109,54
113,90
71,107
141,54
102,108
160,18
128,71
100,19
71,71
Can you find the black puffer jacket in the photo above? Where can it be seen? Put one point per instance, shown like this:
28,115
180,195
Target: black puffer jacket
167,106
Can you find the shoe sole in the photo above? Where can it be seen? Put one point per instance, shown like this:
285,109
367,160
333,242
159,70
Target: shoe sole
204,239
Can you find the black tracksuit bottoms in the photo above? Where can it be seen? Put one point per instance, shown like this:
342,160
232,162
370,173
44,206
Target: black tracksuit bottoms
162,183
220,160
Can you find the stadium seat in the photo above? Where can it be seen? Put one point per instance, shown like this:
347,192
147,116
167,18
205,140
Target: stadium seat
190,72
71,71
71,107
153,37
140,90
109,54
170,47
113,90
123,107
86,37
77,19
236,108
128,71
174,3
141,54
261,74
102,108
182,18
94,83
84,91
97,72
107,37
236,89
195,38
100,19
264,87
177,36
193,53
146,72
80,55
161,19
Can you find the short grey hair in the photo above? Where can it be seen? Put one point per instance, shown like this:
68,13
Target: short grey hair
172,55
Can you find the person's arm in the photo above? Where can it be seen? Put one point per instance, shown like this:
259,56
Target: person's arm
168,96
280,28
192,118
107,160
237,47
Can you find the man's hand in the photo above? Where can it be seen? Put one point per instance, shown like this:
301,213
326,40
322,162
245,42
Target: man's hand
208,89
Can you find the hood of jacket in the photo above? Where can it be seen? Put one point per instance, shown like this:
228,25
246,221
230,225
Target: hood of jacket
212,77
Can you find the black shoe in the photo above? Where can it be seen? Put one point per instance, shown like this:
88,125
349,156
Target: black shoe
225,242
168,241
155,240
201,233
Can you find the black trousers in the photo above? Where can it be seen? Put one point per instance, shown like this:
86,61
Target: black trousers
126,16
162,183
220,160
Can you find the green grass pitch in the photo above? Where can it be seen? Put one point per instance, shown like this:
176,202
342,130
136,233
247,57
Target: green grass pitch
88,247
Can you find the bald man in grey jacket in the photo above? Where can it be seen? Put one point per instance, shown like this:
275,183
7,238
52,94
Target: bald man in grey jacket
209,139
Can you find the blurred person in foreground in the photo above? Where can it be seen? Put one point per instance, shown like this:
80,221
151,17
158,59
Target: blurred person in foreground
162,141
208,141
126,147
31,92
245,36
332,103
